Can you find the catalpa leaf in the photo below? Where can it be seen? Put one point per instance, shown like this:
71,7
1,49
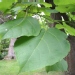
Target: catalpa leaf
20,27
59,66
47,48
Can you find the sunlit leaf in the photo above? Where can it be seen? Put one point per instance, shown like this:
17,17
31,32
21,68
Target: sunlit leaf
65,2
59,26
65,8
46,4
6,4
70,30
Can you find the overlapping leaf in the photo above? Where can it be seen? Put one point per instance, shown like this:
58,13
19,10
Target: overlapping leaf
46,49
24,26
59,66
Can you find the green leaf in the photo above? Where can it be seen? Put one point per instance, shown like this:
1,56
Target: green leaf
72,16
69,30
59,26
40,0
59,66
46,4
5,4
47,48
65,2
65,8
20,27
29,3
16,10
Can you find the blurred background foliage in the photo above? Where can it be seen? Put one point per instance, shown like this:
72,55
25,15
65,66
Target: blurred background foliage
4,45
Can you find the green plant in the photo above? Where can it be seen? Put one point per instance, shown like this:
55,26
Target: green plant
38,45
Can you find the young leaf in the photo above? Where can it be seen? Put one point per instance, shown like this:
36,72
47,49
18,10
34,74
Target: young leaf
46,49
59,66
20,27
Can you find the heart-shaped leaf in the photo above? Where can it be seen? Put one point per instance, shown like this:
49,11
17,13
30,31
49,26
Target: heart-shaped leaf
46,49
24,26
